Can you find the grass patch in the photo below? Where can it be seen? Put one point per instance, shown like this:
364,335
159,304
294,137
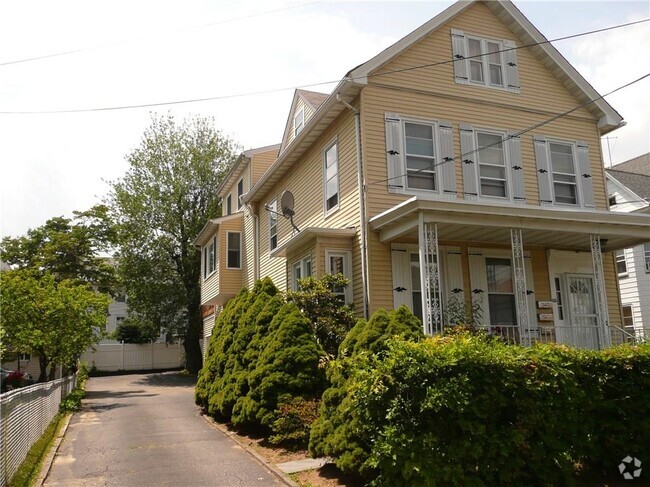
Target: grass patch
31,466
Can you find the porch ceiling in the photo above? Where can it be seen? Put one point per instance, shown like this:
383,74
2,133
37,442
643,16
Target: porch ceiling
484,223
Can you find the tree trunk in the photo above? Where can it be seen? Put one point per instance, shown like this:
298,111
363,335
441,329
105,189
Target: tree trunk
193,358
52,372
42,363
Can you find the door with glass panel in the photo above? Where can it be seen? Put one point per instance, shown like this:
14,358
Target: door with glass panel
501,298
583,330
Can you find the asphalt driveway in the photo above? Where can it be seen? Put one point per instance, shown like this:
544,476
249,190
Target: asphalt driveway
144,430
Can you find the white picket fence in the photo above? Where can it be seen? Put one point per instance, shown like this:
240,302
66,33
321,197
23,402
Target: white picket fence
24,415
129,356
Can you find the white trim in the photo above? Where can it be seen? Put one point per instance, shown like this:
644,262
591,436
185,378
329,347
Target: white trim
347,269
273,216
301,264
327,212
507,164
241,256
484,60
296,129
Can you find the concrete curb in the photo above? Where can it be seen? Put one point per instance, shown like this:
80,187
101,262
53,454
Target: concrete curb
49,459
265,463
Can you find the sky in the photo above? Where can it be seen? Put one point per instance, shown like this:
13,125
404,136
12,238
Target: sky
152,51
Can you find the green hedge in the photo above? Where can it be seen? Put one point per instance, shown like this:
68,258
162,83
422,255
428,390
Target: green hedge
469,410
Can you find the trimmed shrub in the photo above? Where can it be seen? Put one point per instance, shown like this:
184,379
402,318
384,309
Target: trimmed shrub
294,420
469,410
287,366
335,432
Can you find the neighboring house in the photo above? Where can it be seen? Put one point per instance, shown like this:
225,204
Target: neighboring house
628,186
440,171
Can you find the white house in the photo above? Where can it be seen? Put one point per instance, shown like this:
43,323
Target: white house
628,186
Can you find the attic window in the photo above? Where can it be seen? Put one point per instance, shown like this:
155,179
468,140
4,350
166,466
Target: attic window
612,200
298,122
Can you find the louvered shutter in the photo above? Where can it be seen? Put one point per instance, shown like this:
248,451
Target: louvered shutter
402,292
478,281
459,53
513,146
453,275
395,151
585,176
511,68
469,161
447,167
543,171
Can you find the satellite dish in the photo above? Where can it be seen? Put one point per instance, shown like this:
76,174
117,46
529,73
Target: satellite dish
286,202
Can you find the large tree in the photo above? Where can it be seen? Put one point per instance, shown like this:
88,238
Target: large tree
55,319
68,248
160,205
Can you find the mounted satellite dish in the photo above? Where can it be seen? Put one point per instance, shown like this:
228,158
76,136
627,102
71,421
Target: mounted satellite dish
286,203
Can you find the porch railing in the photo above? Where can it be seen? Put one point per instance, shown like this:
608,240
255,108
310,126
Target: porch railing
579,336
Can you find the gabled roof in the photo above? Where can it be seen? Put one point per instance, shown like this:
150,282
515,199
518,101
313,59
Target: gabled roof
639,184
238,167
608,118
350,86
311,98
638,165
211,227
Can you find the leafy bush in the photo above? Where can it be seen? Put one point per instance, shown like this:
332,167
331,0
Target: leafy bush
330,319
470,410
136,330
294,420
335,432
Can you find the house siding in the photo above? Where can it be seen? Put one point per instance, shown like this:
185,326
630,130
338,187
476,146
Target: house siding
635,285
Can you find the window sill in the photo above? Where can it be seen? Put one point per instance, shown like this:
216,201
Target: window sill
206,278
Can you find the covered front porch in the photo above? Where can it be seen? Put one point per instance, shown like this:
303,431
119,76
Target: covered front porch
527,273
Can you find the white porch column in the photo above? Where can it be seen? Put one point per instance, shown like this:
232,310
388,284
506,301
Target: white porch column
604,339
430,276
521,295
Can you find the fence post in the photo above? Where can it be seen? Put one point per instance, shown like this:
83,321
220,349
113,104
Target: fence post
153,362
122,354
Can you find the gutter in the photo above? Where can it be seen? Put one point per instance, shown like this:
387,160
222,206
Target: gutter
362,205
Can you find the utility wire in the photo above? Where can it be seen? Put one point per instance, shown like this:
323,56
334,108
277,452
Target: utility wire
135,39
463,156
311,85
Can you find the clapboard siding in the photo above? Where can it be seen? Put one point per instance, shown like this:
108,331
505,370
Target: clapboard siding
261,161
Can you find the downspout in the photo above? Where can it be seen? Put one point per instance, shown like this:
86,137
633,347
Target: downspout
256,238
362,205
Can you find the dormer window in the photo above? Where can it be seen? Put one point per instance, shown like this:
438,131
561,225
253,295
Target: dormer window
240,193
298,122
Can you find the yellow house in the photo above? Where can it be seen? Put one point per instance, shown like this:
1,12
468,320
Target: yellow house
460,166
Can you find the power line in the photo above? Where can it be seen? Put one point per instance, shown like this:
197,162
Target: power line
276,90
517,134
135,39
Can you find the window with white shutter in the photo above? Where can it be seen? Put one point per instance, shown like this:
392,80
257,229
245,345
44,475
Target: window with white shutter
485,62
420,156
563,173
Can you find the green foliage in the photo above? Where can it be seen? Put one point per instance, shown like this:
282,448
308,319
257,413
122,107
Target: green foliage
135,329
159,207
330,318
294,420
457,311
262,353
335,432
467,410
68,249
55,320
72,401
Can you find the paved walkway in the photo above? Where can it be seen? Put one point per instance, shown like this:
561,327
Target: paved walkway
144,430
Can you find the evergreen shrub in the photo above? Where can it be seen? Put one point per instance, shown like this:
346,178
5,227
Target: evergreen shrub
470,410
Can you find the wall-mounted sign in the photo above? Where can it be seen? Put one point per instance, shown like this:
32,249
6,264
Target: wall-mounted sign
544,304
546,317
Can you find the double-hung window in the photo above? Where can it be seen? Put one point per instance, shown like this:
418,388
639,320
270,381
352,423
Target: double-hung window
240,192
501,297
210,258
563,167
298,122
331,176
485,61
621,263
229,205
492,165
234,250
646,257
420,156
301,270
273,225
339,262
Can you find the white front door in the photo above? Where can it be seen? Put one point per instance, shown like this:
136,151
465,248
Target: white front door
583,319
